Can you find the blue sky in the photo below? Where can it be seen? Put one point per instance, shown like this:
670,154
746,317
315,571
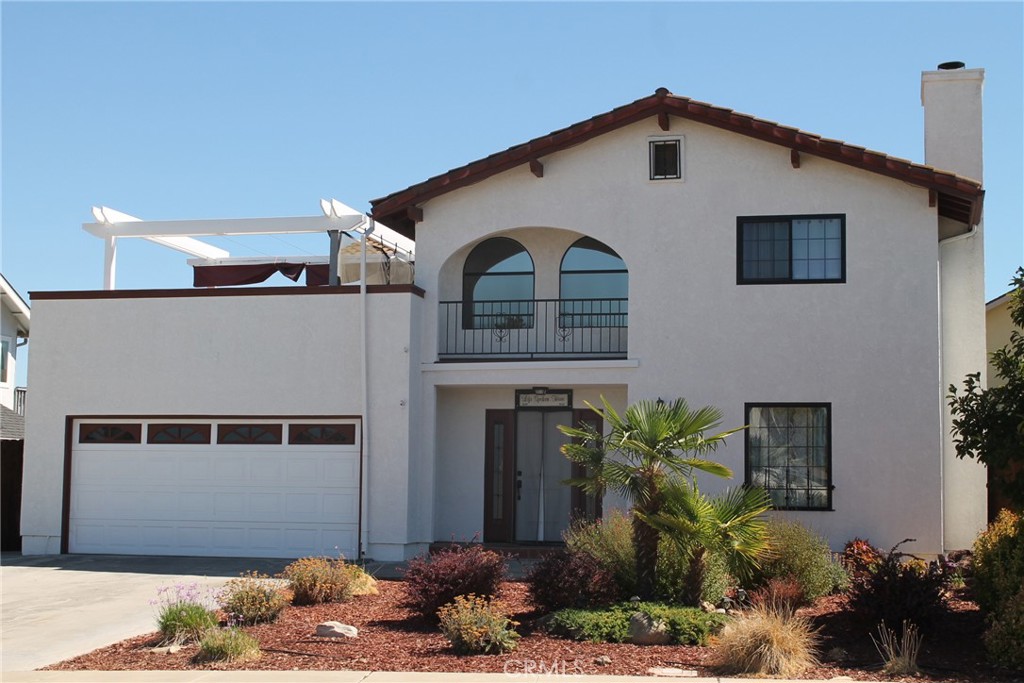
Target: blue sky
203,110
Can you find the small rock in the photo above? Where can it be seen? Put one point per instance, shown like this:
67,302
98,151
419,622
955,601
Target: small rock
671,672
166,649
707,606
336,629
645,630
603,660
719,611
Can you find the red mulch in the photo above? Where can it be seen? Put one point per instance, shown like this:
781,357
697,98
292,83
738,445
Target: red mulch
390,639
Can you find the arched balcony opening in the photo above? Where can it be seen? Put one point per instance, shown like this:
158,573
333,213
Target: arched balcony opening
500,317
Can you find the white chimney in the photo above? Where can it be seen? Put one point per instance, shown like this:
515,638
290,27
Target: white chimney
951,97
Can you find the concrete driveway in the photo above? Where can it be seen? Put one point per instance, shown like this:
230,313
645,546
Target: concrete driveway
56,607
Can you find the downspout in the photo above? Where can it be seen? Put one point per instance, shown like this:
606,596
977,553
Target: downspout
942,392
364,352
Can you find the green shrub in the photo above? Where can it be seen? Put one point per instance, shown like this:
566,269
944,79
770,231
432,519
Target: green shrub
228,645
800,553
898,591
314,580
685,625
610,542
999,561
183,615
253,598
476,625
763,642
1004,639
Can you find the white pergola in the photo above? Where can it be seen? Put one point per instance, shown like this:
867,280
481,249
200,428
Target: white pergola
112,225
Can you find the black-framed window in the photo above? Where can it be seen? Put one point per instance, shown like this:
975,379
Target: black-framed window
593,286
497,286
666,159
786,249
789,453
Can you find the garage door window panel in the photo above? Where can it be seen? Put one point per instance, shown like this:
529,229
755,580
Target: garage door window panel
249,434
178,434
110,433
321,434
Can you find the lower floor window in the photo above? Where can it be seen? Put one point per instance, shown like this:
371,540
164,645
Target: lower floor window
789,453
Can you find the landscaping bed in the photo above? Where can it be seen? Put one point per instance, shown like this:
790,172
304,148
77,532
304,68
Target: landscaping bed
393,638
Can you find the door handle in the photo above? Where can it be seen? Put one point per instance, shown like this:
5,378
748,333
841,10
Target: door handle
519,489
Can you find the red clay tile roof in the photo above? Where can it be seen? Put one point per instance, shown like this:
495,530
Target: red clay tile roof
958,197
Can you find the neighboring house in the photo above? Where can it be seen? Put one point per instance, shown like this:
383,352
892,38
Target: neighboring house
821,293
998,326
14,326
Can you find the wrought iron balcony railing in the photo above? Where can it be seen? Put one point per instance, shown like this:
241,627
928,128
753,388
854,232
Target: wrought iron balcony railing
531,329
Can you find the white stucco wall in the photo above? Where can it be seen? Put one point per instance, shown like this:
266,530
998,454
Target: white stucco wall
237,355
9,331
869,346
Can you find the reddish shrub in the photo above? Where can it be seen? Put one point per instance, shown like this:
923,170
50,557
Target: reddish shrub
571,580
783,596
861,558
436,580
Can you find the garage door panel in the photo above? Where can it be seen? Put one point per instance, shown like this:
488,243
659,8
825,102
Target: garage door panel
231,500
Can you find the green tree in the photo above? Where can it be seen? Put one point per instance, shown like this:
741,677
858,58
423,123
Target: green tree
988,424
650,456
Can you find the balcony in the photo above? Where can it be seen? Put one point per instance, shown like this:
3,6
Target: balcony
533,329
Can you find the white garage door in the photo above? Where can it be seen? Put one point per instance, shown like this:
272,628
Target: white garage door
231,488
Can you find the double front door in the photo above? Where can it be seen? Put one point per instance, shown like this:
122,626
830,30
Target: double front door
525,499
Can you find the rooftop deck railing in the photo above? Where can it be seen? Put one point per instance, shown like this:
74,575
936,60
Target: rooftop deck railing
533,329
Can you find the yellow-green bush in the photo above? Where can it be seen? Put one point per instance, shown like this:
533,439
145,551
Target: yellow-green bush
999,561
253,598
314,580
228,645
476,625
1004,639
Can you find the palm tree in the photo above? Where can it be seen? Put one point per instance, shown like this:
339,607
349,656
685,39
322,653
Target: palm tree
731,525
650,451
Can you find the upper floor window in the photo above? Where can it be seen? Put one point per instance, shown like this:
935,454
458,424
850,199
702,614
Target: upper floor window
497,286
789,453
5,348
666,159
781,249
594,286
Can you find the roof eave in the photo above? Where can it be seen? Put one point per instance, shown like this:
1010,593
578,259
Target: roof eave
400,209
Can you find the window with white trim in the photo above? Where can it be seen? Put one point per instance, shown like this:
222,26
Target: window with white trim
666,159
789,453
5,350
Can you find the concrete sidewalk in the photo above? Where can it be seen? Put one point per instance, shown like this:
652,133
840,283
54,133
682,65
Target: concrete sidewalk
337,677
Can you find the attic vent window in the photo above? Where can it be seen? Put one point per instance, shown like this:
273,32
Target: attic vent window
666,162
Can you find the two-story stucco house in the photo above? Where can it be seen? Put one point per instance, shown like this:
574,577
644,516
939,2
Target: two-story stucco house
821,293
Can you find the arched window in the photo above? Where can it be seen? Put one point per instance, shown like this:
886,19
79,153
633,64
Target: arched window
497,286
594,285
